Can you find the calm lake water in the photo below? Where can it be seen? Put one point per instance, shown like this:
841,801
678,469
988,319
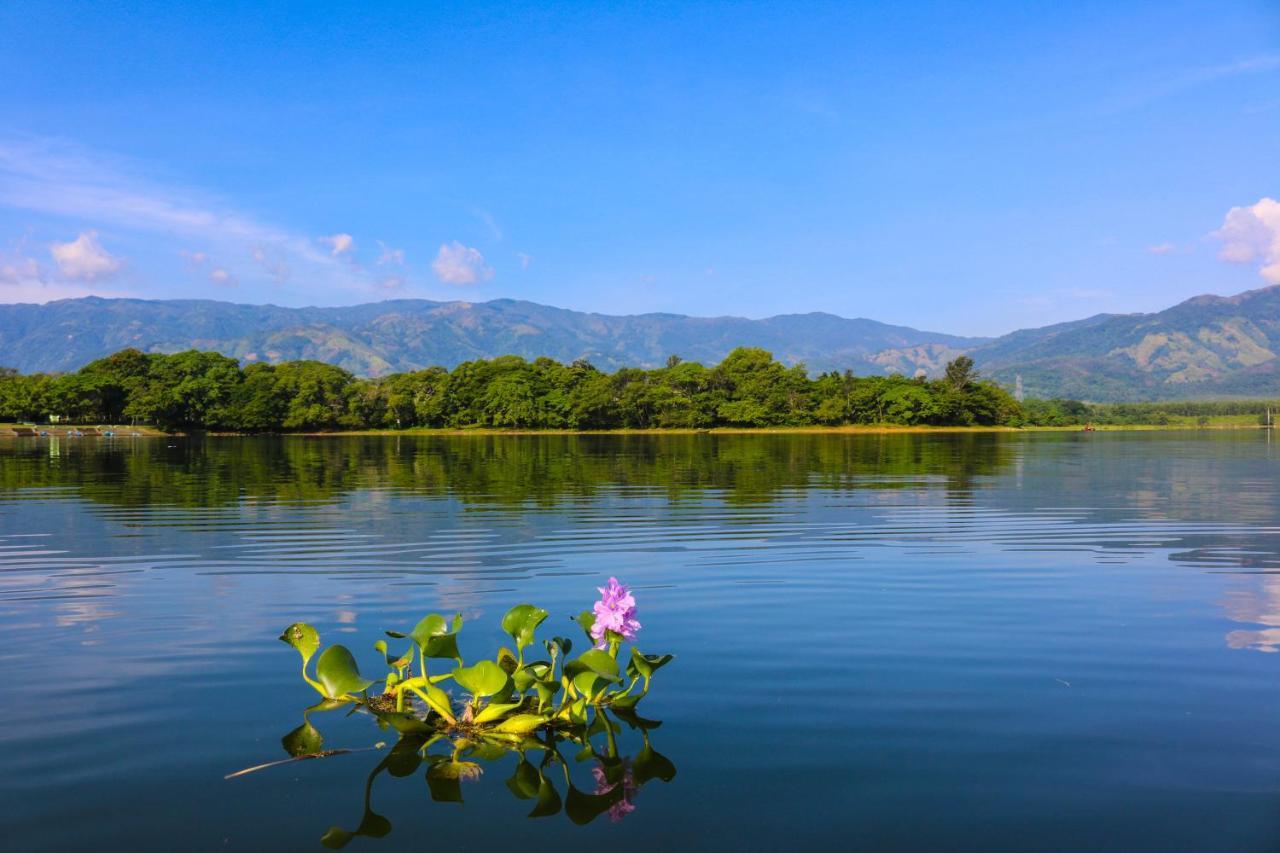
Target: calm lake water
1015,642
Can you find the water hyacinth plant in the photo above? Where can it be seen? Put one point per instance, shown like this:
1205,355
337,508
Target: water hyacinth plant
451,716
503,698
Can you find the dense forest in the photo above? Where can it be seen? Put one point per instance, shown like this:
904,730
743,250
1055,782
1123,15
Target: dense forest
207,391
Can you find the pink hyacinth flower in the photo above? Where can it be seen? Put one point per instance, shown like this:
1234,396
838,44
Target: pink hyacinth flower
616,612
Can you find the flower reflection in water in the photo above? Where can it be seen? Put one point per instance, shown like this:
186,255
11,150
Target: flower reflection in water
625,805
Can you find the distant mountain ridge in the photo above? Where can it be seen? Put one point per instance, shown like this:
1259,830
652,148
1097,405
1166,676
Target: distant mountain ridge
409,334
1208,346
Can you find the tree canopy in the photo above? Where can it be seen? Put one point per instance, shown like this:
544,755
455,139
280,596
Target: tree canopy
204,390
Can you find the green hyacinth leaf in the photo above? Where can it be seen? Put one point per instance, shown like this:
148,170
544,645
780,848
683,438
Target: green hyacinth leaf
525,781
494,711
594,660
337,671
521,621
548,799
646,665
546,691
485,678
393,661
585,620
431,625
444,646
523,678
507,660
521,724
304,740
625,702
576,712
591,686
437,637
302,637
438,701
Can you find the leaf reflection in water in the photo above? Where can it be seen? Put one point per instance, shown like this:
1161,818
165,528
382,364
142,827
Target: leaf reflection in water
541,773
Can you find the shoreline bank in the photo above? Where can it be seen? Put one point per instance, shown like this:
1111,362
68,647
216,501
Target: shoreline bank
860,429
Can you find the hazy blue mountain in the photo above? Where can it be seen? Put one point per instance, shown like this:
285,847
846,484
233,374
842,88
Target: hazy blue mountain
1209,346
408,334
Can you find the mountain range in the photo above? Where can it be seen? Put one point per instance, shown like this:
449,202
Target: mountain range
1208,346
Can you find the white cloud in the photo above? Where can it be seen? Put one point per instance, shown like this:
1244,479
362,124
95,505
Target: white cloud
388,255
1251,235
84,259
339,244
1162,249
24,279
459,264
524,260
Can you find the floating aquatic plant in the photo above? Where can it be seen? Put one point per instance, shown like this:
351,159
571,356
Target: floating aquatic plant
505,697
452,716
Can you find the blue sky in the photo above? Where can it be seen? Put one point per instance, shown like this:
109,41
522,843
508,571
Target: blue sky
965,167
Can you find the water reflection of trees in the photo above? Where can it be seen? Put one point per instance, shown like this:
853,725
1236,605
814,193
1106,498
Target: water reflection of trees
494,469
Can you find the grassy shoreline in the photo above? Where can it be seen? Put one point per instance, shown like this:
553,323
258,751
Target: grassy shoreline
1226,423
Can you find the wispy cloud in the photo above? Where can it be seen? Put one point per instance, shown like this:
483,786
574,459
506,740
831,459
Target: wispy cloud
339,244
388,256
1251,235
1162,249
270,263
524,259
495,230
1167,83
459,264
57,178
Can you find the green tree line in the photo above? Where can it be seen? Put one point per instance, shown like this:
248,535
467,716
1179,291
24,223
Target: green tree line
205,390
1175,413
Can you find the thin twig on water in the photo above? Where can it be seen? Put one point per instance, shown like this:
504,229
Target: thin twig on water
324,753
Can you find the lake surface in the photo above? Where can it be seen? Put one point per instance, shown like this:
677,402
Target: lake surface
1017,642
